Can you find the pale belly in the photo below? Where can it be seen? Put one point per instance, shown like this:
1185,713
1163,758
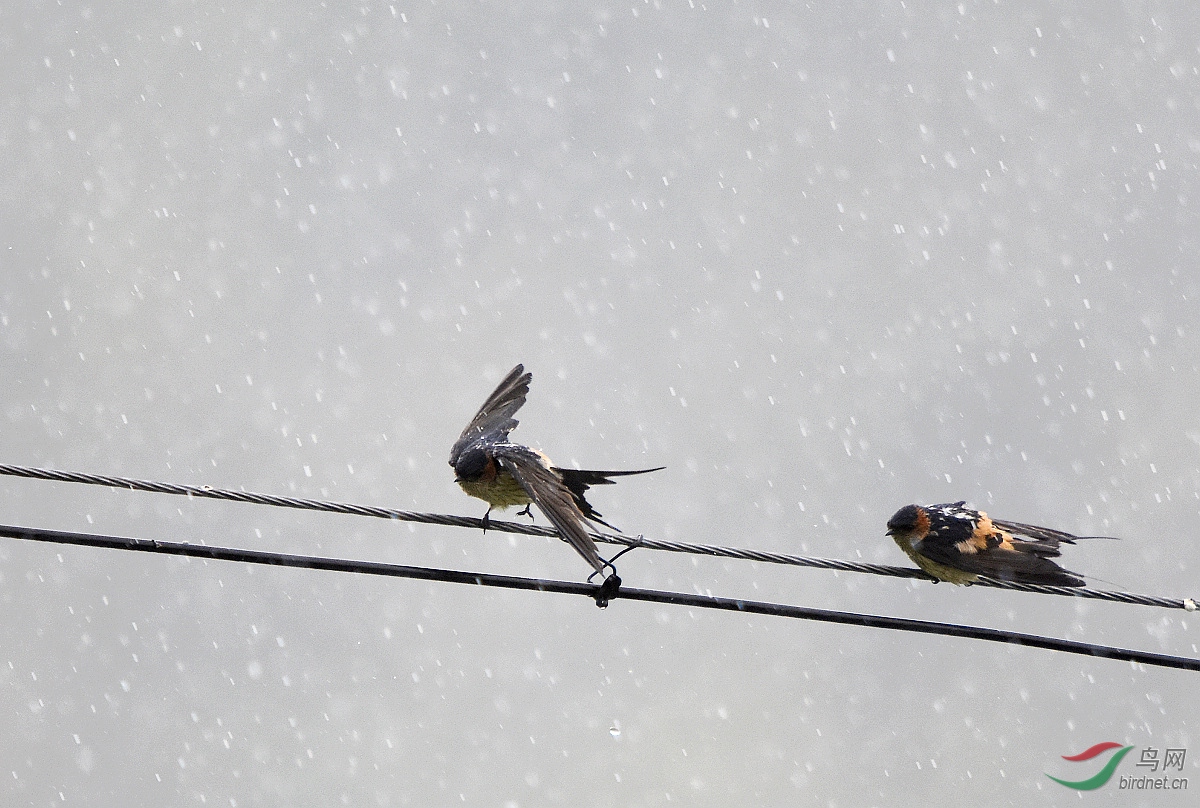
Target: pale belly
939,571
502,492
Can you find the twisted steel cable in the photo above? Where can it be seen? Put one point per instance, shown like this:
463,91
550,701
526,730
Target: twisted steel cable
327,506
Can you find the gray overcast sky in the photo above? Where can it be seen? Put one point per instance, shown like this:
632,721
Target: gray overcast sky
818,261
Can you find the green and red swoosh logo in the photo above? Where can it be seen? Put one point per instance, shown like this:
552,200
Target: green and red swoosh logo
1101,777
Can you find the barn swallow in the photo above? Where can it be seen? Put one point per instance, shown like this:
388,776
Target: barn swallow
954,543
488,466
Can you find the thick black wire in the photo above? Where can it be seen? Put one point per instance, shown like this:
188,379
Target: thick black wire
589,590
326,506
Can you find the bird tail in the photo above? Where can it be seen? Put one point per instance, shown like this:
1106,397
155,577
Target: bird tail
1059,577
585,478
578,481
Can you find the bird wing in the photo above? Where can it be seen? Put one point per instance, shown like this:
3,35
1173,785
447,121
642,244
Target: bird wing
495,419
547,490
960,545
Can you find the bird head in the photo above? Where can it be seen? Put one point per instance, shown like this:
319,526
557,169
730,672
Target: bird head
473,465
905,520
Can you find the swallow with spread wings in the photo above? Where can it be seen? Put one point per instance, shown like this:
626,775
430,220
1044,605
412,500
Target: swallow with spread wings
502,473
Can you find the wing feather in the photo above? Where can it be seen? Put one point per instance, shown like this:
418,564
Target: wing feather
551,495
1026,563
495,419
1042,533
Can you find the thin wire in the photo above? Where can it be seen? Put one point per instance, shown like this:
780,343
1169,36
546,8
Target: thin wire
327,506
589,590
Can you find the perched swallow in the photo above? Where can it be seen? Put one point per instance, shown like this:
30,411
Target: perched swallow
502,473
954,543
